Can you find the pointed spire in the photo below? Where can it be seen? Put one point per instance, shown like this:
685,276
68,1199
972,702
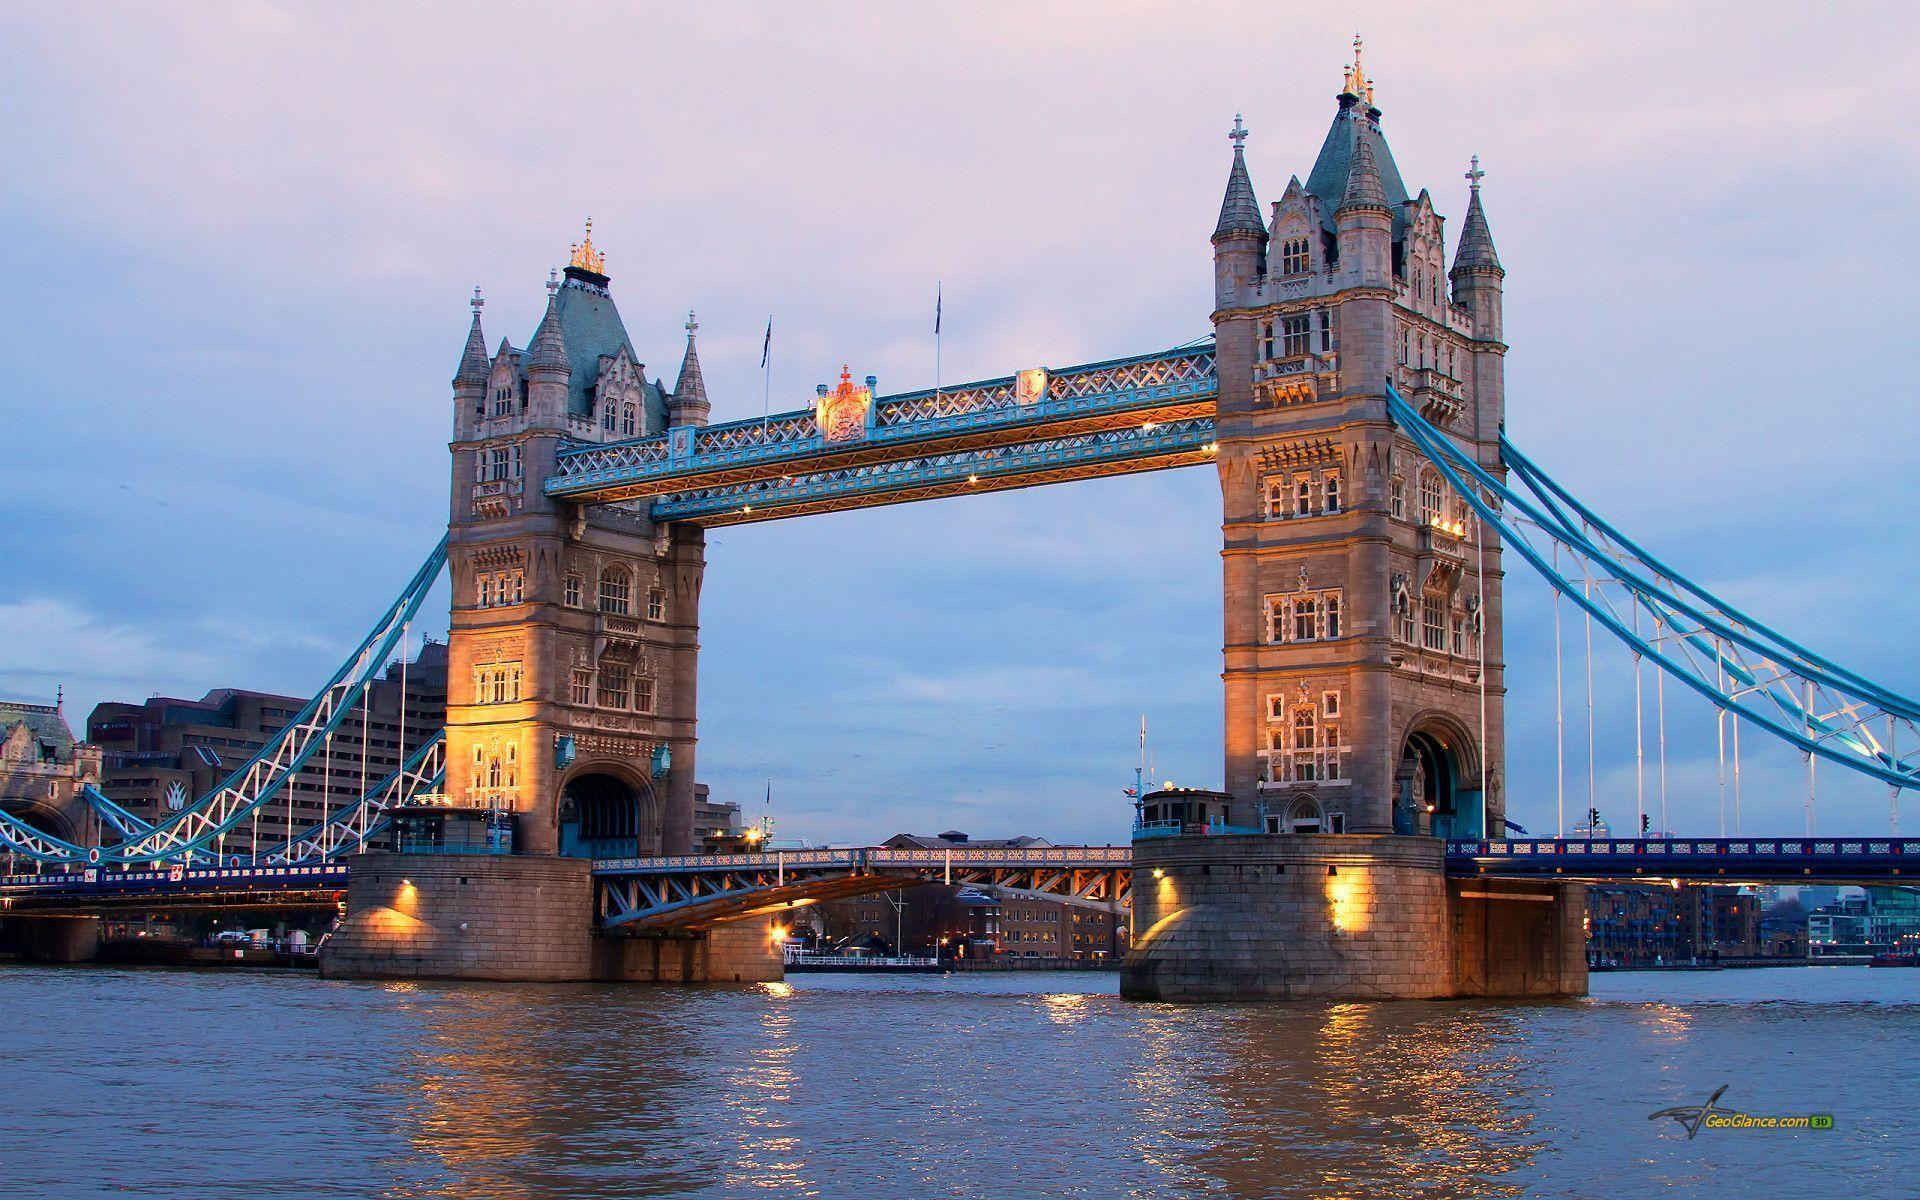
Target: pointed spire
691,388
549,346
1364,188
473,361
1239,211
1476,240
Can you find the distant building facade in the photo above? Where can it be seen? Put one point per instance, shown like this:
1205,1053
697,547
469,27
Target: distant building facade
162,754
970,922
1647,924
1877,920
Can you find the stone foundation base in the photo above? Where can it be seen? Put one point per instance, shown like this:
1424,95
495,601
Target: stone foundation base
55,939
1340,916
737,952
518,917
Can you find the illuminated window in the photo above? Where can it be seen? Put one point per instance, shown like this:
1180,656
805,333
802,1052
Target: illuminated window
1293,256
656,605
1277,495
1303,616
615,684
1432,497
1433,623
616,590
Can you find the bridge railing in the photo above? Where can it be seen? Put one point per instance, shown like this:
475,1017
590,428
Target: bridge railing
1688,847
874,858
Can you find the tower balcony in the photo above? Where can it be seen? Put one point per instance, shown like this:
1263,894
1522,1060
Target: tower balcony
497,497
1295,379
1440,397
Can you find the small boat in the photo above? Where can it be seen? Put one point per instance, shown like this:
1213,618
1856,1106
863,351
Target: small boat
1894,960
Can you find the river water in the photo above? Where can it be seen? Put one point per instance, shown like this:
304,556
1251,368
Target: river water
211,1086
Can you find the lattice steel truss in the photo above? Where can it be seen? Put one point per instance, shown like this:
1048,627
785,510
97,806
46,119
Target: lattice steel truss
1146,389
1734,661
349,830
191,832
696,891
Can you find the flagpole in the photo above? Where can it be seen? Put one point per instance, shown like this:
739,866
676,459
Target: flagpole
766,388
939,300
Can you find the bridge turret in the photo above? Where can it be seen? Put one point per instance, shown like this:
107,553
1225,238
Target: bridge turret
548,371
470,380
688,405
1240,236
1478,287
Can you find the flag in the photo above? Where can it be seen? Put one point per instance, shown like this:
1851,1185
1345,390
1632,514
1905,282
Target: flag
938,301
766,347
1134,792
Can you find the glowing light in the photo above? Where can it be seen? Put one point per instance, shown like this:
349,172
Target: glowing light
1159,873
746,508
1347,898
777,934
1147,426
973,479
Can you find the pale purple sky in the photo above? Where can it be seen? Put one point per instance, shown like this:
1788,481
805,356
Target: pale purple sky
240,238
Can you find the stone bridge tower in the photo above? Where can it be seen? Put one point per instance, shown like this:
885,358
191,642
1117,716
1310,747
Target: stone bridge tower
571,686
1363,672
1364,681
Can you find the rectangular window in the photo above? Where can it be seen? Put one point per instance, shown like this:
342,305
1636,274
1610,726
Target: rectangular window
1325,321
1293,256
1397,497
643,694
1433,624
1330,704
1276,619
614,685
497,463
516,587
1330,615
1305,616
656,605
573,591
616,591
1266,339
1294,332
580,689
1330,489
1459,635
1277,496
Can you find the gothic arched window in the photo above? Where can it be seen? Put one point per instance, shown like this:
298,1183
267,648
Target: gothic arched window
629,419
607,414
616,591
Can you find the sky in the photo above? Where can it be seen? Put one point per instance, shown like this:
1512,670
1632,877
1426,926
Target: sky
236,244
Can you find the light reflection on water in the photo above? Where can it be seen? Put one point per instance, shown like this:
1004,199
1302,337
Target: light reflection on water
211,1086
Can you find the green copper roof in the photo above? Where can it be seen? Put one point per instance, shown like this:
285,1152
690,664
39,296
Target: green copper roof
1328,180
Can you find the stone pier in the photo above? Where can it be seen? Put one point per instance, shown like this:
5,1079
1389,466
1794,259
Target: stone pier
1340,916
525,918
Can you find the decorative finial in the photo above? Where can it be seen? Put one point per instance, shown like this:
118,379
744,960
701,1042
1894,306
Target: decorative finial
692,324
586,257
1356,82
59,696
1239,135
477,303
553,280
1475,174
846,375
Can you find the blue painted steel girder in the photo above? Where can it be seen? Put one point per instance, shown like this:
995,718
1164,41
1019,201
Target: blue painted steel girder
1128,450
1034,405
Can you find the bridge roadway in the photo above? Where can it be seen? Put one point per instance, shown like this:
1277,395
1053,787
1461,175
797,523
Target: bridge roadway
694,891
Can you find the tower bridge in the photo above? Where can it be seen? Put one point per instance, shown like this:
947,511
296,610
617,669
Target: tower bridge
1351,400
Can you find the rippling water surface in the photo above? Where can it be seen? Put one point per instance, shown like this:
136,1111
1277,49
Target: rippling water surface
210,1086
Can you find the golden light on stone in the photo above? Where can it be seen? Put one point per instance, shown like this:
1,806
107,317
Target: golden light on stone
1347,897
